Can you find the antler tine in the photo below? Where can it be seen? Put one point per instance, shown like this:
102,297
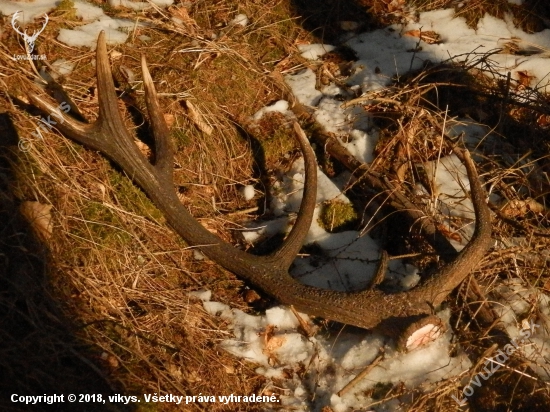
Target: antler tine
286,254
108,134
163,146
437,288
78,131
110,120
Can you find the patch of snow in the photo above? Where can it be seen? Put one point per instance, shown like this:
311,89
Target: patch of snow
303,87
314,51
202,294
280,106
247,192
62,67
449,180
87,11
279,350
216,308
139,5
29,10
86,36
239,20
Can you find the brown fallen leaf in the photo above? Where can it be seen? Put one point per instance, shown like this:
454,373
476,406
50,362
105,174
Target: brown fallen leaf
518,207
197,118
170,119
275,343
430,37
524,79
444,229
39,217
182,18
144,149
111,360
543,121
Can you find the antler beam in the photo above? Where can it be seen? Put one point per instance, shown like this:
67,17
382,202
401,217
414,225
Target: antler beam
365,309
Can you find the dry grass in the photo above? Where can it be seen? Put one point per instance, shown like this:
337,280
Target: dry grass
102,305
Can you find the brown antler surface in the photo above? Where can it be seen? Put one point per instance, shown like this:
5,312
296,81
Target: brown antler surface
365,309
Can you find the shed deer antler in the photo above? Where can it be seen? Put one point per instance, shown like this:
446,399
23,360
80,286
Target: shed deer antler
365,309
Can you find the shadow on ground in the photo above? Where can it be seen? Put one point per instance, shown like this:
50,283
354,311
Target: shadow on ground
39,353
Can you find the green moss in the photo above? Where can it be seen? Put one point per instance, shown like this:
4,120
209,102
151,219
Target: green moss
279,143
102,226
68,9
181,139
132,197
336,215
275,135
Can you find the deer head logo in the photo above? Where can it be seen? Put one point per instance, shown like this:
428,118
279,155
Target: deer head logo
28,39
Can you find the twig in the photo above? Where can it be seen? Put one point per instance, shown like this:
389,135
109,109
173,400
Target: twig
361,375
303,324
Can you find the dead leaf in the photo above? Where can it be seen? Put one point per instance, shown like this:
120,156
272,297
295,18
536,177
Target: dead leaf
175,371
518,207
170,119
182,18
448,233
229,369
39,217
524,78
143,148
543,121
251,296
197,118
268,333
111,360
395,5
115,55
273,344
430,37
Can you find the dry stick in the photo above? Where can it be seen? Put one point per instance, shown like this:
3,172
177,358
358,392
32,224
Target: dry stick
361,375
303,324
380,270
504,103
488,352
